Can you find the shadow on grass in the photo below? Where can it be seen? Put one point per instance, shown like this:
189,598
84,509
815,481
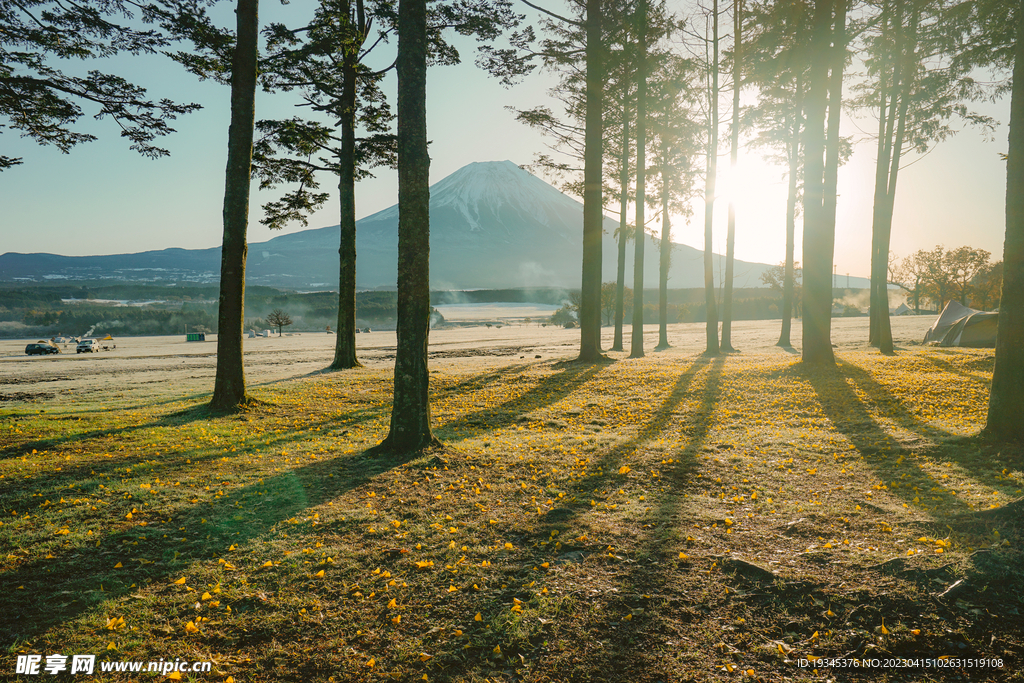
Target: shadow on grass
547,391
644,583
892,407
60,589
604,644
984,366
577,499
981,458
175,419
881,450
87,476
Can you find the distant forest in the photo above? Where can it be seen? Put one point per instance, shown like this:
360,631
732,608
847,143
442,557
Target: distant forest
80,308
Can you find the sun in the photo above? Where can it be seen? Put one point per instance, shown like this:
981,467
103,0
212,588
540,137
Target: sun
758,190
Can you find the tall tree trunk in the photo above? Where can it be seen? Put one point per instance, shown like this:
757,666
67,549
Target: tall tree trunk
1006,402
593,215
817,249
345,342
665,252
837,60
620,280
636,345
730,240
709,198
789,279
888,165
886,115
229,383
410,409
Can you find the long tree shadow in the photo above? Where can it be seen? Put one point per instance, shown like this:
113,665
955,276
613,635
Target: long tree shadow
983,460
980,374
576,502
477,382
32,610
643,583
891,406
881,450
609,650
176,419
547,391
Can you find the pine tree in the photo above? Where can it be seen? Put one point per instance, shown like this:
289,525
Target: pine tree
229,381
776,63
710,182
636,348
734,134
419,39
821,163
1006,402
327,65
43,100
918,84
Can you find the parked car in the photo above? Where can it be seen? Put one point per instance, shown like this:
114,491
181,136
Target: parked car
41,348
88,346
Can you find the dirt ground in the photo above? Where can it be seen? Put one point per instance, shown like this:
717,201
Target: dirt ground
140,369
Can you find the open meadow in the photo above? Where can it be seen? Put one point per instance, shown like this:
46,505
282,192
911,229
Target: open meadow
670,518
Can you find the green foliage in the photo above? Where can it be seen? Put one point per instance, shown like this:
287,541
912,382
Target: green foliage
43,101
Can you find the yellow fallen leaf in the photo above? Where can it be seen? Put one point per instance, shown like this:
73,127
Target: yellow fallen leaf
508,546
118,565
624,469
180,581
190,627
371,663
319,574
174,676
497,649
111,646
268,563
478,617
206,596
424,656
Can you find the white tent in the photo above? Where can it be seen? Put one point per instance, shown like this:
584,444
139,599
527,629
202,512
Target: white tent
903,309
958,325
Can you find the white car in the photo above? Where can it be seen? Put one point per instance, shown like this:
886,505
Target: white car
88,346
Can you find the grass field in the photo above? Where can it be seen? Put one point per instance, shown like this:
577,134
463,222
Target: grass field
673,518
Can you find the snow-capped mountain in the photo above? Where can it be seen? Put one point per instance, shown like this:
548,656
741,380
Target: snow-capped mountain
492,225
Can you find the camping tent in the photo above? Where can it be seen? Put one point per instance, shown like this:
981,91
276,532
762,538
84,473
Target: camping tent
958,325
903,310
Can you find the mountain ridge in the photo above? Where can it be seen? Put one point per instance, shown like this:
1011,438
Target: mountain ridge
493,225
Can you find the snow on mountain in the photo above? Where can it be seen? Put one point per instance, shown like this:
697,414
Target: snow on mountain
492,225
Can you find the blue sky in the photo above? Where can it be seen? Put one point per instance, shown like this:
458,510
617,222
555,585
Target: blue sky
102,198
